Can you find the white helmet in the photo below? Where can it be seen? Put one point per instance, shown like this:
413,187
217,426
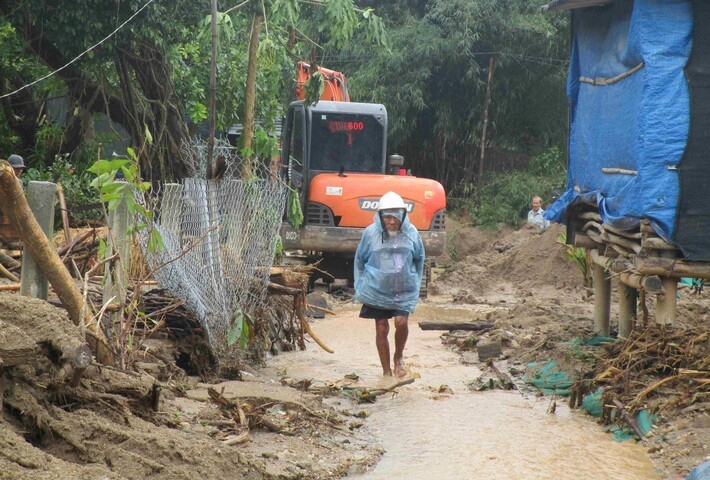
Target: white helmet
391,200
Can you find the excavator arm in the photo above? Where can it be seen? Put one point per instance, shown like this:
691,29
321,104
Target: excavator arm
335,88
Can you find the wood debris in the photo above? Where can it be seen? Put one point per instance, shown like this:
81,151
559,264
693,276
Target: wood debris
659,368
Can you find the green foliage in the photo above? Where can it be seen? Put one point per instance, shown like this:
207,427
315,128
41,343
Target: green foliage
293,209
505,197
75,181
433,80
314,88
279,247
48,138
265,145
115,193
240,331
578,256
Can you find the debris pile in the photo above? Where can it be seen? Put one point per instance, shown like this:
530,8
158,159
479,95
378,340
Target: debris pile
660,369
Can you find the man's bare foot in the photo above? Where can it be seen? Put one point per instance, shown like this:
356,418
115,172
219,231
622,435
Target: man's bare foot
399,369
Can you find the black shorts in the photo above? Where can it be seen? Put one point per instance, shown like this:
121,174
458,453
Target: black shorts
380,313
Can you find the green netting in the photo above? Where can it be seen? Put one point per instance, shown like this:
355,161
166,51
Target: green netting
549,379
592,403
644,421
592,342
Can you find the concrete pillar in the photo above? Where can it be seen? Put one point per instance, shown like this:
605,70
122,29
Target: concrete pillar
602,300
627,309
41,197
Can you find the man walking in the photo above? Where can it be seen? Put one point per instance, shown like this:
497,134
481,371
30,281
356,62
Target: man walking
389,263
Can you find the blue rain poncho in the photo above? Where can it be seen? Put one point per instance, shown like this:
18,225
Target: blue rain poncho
388,268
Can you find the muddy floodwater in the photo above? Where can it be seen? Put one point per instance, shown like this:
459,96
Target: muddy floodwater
460,435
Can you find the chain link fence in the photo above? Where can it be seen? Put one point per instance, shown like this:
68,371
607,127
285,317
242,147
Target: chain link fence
220,238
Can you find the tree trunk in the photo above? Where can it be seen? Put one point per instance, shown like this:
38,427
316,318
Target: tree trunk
491,66
250,94
15,206
157,110
213,91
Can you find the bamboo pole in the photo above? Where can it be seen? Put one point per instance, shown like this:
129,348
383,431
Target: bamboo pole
602,300
671,267
584,241
666,302
15,206
627,309
656,243
651,283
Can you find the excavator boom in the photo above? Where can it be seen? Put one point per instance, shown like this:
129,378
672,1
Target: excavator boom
335,88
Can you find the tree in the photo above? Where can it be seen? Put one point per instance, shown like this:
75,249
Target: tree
150,75
433,80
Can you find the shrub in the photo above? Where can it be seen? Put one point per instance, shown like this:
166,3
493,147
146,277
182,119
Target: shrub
75,182
505,197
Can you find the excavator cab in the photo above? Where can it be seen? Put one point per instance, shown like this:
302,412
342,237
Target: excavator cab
332,137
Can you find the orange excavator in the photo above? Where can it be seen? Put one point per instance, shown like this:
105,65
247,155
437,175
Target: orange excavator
333,155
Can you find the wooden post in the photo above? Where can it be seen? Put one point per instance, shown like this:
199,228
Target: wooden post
602,300
41,196
627,309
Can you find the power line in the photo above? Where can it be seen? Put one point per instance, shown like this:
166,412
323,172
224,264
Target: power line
51,74
549,61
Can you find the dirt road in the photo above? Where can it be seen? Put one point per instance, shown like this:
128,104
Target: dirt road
458,433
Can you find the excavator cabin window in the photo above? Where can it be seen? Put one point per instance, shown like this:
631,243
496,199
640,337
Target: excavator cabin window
351,142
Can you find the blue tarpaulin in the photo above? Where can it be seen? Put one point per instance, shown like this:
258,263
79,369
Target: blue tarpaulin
638,121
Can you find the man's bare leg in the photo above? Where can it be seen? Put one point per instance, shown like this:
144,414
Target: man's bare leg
382,329
401,332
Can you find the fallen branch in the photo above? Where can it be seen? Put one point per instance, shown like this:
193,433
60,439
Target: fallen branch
8,261
7,274
475,326
628,419
277,289
392,388
65,213
299,305
319,309
236,440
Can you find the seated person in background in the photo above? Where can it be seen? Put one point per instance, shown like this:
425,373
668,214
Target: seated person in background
535,215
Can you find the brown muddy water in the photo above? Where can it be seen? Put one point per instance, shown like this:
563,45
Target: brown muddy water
464,434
